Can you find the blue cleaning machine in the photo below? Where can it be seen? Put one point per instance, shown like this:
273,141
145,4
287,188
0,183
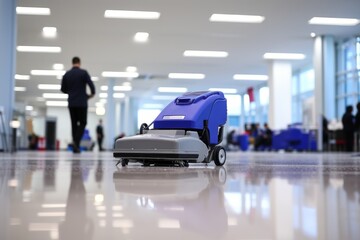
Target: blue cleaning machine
188,130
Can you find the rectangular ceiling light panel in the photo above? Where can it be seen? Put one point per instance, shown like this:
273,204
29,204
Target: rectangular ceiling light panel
236,18
55,95
120,74
49,32
125,14
196,53
224,90
42,49
47,72
172,89
251,77
49,86
56,103
284,56
22,77
334,21
32,11
186,75
141,37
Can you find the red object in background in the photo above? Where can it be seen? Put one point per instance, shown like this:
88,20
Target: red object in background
41,143
250,92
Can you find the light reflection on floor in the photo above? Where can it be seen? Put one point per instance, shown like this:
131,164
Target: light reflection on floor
58,195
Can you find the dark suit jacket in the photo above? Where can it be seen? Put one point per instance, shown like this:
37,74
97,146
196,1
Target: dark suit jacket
74,83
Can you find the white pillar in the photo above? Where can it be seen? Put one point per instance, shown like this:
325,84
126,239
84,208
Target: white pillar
280,76
110,116
324,67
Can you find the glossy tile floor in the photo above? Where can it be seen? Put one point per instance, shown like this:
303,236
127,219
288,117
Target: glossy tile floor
58,195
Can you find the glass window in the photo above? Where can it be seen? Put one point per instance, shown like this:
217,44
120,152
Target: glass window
348,78
295,85
233,104
246,103
307,81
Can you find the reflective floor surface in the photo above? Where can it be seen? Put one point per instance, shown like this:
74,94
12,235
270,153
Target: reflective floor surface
59,195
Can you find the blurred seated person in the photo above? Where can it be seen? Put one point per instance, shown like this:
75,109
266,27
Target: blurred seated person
264,139
230,139
33,141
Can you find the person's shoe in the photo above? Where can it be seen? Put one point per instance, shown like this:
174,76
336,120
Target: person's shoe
76,149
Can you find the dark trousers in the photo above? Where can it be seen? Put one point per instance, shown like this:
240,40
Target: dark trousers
78,117
100,140
349,141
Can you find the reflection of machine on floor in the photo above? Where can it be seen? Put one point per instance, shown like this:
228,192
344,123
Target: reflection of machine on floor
193,196
189,129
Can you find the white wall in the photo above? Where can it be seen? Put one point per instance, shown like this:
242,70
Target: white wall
63,124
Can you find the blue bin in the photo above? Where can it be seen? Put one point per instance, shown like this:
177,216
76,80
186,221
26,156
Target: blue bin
243,141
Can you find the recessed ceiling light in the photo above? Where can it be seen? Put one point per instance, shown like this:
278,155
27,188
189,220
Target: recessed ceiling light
47,72
100,111
196,53
334,21
120,74
49,86
58,66
284,56
131,69
104,88
20,89
94,79
236,18
22,77
141,37
186,75
250,77
224,90
103,95
131,14
122,88
99,104
29,108
49,32
55,95
43,49
118,95
313,34
32,11
172,89
56,103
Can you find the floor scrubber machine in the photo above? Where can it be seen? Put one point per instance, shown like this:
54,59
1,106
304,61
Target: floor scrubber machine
188,130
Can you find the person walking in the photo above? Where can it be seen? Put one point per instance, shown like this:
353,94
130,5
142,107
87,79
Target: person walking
100,135
348,128
74,84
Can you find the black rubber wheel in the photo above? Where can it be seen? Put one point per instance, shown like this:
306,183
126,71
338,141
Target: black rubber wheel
186,164
124,162
219,155
143,127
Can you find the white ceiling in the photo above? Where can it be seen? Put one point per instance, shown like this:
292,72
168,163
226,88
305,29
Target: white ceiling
107,44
